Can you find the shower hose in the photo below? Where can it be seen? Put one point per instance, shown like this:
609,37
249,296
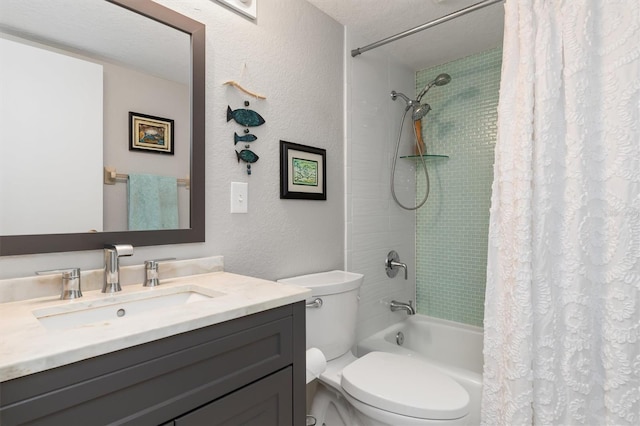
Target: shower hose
395,160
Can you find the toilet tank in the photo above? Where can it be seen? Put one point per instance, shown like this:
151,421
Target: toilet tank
332,326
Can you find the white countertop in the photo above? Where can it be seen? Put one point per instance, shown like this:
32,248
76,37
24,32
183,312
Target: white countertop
27,347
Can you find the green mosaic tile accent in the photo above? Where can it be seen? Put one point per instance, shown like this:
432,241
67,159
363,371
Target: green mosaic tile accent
452,229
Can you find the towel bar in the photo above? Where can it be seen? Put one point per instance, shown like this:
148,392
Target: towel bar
110,177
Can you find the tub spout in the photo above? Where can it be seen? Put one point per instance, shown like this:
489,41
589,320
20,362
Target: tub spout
401,306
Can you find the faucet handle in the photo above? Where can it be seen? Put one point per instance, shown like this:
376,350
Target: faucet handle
392,263
71,284
152,278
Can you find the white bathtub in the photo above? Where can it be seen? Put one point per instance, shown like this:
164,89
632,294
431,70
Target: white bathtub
454,348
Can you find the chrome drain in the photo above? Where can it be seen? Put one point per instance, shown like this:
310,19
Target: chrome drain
400,338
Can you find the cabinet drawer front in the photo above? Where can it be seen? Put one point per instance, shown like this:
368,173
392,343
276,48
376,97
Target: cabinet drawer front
266,402
165,384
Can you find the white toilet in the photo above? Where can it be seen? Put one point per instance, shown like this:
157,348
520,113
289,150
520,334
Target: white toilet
379,389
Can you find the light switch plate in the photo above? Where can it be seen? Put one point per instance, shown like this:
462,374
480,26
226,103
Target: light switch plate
246,7
239,197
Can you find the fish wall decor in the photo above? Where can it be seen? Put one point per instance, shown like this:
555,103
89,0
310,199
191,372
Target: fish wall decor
248,157
245,117
243,138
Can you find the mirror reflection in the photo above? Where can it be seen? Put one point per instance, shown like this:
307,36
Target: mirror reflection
72,74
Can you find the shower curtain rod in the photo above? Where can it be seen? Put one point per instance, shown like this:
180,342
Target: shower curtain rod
461,12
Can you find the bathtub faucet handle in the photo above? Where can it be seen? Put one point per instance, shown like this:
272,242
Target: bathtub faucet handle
392,263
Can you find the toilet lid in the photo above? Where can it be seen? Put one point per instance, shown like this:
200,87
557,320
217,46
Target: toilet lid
405,385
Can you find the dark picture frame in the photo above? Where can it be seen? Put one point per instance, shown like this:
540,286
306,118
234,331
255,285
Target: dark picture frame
150,133
303,171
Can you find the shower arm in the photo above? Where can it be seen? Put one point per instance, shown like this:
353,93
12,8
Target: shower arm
395,94
410,103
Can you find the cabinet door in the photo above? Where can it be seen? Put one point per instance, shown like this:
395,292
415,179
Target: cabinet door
266,402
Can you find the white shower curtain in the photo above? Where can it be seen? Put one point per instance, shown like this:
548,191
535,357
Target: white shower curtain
562,309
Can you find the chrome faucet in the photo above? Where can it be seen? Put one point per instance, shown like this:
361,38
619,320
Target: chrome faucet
401,306
112,254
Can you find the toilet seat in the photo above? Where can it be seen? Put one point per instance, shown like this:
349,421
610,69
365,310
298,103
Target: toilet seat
405,386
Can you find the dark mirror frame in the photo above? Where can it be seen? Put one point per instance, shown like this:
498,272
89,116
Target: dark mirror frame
49,243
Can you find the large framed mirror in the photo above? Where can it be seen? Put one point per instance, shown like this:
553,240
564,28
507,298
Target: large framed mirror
67,165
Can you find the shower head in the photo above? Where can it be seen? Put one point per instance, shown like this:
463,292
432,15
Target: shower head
440,80
419,110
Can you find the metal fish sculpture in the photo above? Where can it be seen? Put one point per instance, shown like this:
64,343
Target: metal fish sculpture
243,138
246,117
247,156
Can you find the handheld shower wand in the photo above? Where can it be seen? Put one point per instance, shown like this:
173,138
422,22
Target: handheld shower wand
440,80
419,111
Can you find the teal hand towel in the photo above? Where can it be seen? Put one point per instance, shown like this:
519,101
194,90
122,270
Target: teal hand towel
153,202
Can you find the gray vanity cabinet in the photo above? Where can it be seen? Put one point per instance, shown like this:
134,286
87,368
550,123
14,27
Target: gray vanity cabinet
247,371
266,402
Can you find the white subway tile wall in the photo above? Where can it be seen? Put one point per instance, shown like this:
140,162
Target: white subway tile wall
374,224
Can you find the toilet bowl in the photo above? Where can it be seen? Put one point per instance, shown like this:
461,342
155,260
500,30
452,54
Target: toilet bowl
378,389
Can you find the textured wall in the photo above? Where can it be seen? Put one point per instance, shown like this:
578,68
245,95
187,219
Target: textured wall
294,56
451,231
374,223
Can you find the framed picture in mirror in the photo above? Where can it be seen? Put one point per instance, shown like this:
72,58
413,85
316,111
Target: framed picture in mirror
149,133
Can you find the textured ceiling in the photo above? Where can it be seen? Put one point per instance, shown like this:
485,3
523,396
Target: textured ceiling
101,30
373,20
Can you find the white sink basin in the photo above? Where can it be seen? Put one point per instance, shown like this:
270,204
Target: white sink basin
111,309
